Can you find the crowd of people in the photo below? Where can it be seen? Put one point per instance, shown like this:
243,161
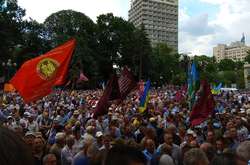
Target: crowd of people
60,130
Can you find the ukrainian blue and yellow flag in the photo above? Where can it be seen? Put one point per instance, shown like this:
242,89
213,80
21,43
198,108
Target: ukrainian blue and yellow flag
144,99
193,84
217,90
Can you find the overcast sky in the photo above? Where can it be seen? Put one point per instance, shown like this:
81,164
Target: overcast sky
202,23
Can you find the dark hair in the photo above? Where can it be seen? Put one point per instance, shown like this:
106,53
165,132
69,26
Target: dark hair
225,159
124,155
13,149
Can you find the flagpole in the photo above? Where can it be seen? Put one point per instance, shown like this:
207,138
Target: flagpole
45,151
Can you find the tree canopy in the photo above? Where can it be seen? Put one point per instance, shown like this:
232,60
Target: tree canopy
104,47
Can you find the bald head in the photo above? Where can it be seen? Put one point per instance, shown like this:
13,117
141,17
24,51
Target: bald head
209,150
243,151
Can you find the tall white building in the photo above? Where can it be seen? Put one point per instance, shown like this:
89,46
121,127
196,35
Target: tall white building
160,20
237,51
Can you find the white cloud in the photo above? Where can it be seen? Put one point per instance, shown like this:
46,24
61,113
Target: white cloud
194,45
198,26
41,9
197,34
230,22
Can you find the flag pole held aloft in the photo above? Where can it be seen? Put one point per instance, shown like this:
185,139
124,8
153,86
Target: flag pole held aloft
36,77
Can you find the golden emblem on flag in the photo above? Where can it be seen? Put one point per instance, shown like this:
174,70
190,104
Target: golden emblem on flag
47,68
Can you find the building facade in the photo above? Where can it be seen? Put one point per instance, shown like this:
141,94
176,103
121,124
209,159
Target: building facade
247,75
159,18
237,51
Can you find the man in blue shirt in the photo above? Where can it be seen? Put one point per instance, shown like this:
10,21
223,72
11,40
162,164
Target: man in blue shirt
149,150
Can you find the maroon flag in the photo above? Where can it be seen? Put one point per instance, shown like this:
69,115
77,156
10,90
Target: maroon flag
82,77
126,82
141,87
204,106
111,92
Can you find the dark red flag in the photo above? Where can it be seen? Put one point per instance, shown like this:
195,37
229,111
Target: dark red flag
126,82
204,106
111,92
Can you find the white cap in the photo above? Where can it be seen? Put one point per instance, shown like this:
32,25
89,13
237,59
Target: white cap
191,132
30,134
99,134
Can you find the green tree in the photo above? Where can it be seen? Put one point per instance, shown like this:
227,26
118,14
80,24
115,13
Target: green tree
34,42
141,48
207,67
11,22
239,65
66,24
226,65
120,44
165,64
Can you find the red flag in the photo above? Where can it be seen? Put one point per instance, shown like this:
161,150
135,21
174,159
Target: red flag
204,106
37,76
111,92
82,77
126,82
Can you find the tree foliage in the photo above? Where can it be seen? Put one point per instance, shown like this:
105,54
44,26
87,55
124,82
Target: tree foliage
111,41
165,62
66,24
11,27
226,64
121,44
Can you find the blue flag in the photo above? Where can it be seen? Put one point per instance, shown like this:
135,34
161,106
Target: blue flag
193,83
144,98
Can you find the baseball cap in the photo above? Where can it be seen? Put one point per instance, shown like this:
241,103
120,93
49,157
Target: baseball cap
99,134
76,112
191,132
30,134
